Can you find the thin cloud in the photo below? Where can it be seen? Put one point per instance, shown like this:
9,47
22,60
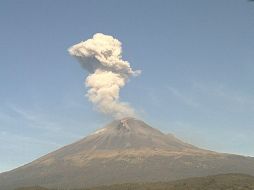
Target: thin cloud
37,120
188,100
236,98
10,138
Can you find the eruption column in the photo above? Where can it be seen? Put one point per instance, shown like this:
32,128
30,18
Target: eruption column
101,56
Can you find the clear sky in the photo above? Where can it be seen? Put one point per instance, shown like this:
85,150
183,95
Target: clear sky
196,57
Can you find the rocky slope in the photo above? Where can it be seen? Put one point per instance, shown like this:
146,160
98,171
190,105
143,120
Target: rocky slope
126,150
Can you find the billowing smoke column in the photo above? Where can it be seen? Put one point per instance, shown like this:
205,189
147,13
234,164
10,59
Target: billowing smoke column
101,56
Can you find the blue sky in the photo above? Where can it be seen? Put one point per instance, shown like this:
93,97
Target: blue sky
196,57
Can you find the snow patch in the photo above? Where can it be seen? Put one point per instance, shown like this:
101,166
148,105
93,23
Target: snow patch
99,131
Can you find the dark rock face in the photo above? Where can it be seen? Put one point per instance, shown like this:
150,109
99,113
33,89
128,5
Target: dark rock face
126,150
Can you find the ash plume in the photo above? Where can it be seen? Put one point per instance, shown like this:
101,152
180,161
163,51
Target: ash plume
101,56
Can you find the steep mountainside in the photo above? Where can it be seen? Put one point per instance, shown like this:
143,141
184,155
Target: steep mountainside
126,150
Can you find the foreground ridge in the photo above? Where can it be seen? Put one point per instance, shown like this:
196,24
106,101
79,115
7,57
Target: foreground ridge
225,181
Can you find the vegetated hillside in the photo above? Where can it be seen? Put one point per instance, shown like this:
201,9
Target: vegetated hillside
218,182
125,151
32,188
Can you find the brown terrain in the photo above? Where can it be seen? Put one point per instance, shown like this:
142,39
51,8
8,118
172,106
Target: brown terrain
216,182
125,151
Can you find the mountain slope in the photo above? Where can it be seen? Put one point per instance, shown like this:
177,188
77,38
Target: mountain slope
126,150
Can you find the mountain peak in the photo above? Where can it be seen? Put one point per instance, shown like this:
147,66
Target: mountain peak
124,124
132,133
127,125
129,150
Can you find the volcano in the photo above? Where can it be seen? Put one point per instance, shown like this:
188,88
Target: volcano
124,151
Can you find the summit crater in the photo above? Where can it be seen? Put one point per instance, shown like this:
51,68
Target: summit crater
124,151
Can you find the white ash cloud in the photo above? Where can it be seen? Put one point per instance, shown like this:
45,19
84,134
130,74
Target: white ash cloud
101,56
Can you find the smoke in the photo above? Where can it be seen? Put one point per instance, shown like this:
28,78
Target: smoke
101,56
